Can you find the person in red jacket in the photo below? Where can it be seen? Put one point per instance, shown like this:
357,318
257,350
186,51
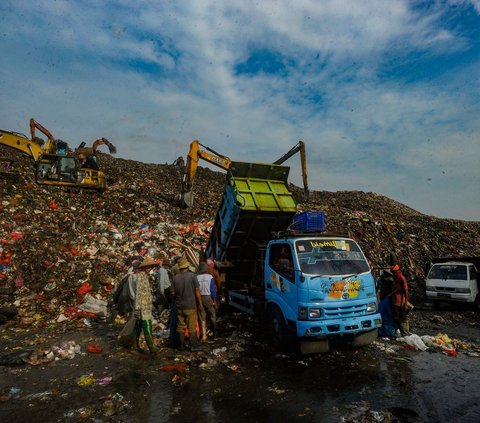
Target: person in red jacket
399,300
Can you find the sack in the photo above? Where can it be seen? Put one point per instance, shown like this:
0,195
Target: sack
128,329
121,297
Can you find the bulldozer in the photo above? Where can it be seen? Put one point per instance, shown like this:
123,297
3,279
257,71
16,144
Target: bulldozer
55,163
233,168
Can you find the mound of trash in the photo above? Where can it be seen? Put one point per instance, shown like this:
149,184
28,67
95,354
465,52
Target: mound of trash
57,245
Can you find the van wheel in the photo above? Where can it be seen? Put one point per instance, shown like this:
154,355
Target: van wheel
277,329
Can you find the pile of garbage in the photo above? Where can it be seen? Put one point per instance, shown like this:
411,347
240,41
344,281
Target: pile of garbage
384,227
62,251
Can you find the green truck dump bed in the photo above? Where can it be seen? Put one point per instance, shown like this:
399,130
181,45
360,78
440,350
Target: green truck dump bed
256,203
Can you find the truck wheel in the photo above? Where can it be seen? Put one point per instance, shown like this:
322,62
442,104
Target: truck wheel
277,329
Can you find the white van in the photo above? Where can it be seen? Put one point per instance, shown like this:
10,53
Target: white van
453,280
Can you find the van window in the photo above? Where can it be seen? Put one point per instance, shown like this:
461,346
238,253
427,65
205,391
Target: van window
473,274
448,272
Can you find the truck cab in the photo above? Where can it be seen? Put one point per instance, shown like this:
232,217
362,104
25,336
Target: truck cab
453,281
320,287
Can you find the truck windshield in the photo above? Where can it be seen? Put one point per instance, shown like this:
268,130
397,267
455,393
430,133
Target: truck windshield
448,272
330,257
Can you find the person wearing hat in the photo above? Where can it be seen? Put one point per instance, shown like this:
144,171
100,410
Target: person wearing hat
209,297
399,299
142,290
186,294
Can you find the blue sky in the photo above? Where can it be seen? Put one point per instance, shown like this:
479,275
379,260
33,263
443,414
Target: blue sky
385,94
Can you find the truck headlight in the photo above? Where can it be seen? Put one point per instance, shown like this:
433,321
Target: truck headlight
430,288
463,290
314,313
371,307
302,313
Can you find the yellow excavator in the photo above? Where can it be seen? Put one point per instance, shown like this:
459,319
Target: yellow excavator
297,148
185,198
55,163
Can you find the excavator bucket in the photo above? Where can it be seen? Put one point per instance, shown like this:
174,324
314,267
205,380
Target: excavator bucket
184,199
112,149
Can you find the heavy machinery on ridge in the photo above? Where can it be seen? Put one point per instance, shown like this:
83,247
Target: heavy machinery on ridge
55,163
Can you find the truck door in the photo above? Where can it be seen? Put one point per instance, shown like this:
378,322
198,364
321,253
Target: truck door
280,279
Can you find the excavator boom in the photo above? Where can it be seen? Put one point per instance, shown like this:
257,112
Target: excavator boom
103,141
50,145
185,198
22,143
299,147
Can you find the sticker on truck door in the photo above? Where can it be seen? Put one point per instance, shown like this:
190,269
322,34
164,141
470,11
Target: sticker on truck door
345,289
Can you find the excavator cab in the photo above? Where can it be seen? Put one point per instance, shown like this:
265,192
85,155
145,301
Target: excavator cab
53,167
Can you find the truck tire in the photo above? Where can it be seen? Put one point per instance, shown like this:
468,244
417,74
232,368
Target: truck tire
277,329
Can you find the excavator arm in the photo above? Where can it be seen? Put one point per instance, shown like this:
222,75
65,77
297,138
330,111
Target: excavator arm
185,198
22,143
50,145
299,147
85,151
103,141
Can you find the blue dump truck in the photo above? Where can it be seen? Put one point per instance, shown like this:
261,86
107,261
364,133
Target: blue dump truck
283,267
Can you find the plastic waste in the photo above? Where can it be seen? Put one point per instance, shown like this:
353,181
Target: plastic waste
414,341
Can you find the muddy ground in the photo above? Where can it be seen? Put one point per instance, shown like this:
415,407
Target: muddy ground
239,378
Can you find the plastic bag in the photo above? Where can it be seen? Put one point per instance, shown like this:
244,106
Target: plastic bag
128,329
415,341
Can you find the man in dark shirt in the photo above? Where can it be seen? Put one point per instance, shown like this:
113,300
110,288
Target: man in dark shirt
186,294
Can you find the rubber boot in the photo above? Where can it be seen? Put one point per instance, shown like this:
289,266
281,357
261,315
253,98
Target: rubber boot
194,343
204,331
214,330
151,345
403,330
181,341
136,341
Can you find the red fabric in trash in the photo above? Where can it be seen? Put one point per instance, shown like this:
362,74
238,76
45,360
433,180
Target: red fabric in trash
180,367
85,288
95,349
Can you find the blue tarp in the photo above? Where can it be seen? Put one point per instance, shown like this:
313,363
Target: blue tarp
388,324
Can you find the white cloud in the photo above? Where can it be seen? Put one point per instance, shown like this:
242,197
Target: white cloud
70,67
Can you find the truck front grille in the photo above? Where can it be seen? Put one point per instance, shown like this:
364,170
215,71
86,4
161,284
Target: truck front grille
344,311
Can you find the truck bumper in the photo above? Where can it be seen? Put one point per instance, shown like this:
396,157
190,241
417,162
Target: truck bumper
328,328
463,298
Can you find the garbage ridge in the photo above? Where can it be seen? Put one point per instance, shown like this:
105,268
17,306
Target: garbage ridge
61,248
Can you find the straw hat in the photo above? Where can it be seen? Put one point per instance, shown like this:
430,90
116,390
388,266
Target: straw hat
183,264
148,262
